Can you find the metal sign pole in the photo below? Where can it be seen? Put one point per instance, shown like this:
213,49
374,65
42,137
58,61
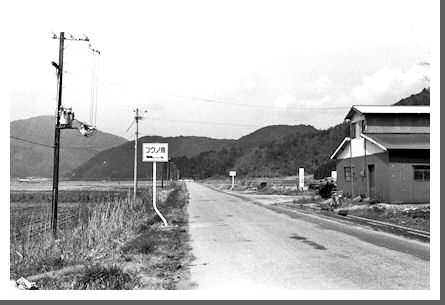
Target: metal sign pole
154,196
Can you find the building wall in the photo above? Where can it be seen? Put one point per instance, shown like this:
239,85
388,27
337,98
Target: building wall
398,123
359,149
403,187
360,170
394,176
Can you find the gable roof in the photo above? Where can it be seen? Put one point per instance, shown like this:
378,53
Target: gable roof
363,109
400,141
389,141
339,148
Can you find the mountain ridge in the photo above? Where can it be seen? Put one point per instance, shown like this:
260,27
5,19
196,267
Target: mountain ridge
269,151
30,159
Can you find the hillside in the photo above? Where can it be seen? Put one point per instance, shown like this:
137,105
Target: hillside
264,153
271,133
118,162
305,147
260,153
270,151
28,159
420,99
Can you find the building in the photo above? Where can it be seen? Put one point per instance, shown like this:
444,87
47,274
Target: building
387,156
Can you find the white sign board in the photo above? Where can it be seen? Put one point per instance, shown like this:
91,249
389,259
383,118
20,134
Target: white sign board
301,177
334,175
155,152
232,173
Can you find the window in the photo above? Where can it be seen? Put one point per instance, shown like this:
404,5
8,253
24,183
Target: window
421,172
348,173
363,126
352,130
357,128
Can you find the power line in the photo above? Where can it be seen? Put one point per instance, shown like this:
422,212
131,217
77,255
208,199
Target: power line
257,106
204,122
62,147
228,103
32,142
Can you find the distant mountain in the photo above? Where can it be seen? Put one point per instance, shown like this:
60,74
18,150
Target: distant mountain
279,150
28,159
118,162
420,99
271,133
270,151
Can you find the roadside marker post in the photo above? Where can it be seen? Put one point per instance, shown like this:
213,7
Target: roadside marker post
232,174
155,152
301,178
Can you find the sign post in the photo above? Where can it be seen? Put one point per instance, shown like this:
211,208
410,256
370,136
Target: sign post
334,175
232,174
301,178
155,152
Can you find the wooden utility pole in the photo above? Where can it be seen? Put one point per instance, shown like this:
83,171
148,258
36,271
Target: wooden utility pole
135,183
55,191
58,127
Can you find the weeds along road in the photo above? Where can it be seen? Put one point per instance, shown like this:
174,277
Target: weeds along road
239,245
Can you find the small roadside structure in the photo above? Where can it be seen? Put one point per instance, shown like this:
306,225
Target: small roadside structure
387,155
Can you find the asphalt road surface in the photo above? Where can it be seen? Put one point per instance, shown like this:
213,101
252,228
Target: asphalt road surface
239,245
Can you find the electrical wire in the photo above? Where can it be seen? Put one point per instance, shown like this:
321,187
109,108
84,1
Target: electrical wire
256,106
97,90
229,103
31,142
130,126
61,147
203,122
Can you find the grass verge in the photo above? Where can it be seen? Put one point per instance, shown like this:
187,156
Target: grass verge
117,245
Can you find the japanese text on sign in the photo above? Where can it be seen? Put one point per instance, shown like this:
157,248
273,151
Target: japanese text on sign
155,152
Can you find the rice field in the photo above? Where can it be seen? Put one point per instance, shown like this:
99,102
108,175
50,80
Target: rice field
95,222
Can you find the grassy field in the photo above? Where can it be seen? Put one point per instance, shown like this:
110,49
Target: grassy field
105,240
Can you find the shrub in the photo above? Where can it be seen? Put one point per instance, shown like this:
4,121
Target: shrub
99,277
326,189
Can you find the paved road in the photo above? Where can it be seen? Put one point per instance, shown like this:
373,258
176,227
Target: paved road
237,244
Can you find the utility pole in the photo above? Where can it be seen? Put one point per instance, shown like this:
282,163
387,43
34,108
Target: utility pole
55,190
135,182
137,117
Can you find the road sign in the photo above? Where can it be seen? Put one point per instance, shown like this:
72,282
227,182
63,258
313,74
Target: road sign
232,174
155,152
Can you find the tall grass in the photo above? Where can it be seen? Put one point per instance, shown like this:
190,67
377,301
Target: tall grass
98,234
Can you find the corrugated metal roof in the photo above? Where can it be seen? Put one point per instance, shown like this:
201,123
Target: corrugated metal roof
363,109
401,141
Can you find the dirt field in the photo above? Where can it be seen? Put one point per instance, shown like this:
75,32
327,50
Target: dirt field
284,192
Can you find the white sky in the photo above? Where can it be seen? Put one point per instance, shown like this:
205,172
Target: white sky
286,54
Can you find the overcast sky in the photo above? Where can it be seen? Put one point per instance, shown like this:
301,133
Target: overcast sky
273,57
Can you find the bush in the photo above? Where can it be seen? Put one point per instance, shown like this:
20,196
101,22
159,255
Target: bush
326,189
99,277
